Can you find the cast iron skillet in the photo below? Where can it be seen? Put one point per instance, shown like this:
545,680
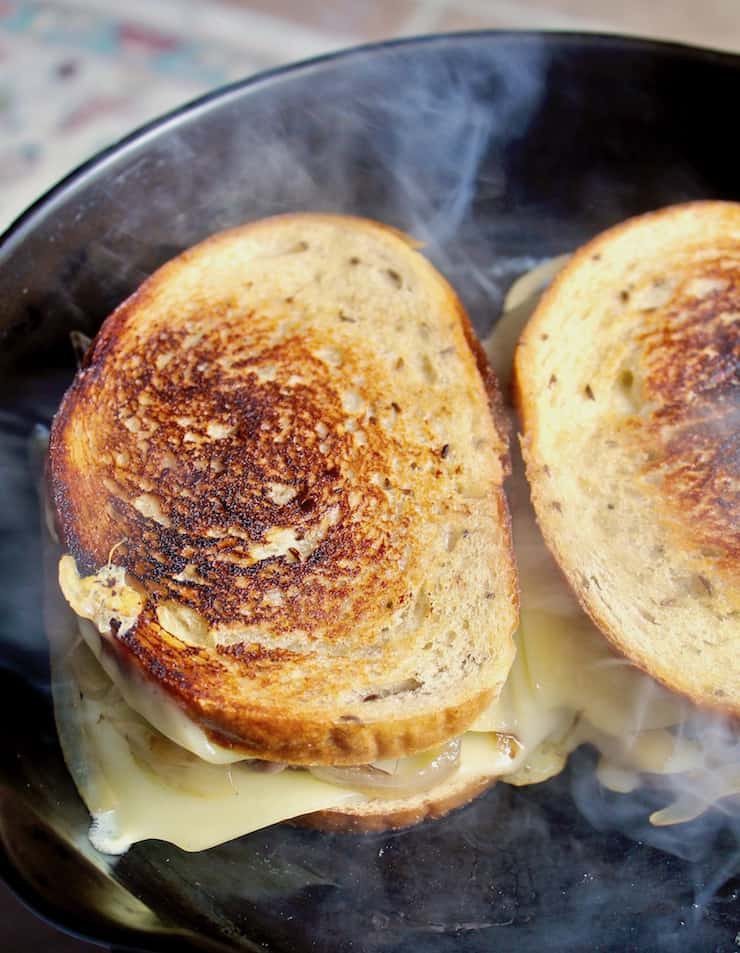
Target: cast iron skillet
499,149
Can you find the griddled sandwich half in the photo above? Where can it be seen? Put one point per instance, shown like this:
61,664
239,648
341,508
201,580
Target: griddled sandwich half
627,384
278,484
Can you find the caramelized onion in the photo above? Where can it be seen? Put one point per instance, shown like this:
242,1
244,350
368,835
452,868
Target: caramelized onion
411,775
266,767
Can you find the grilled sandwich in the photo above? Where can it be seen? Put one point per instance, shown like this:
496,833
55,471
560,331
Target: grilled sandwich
627,384
277,479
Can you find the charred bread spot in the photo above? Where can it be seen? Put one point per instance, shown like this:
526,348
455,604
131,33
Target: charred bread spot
394,278
691,357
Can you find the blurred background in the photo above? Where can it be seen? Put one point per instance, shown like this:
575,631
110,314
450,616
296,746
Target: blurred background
76,75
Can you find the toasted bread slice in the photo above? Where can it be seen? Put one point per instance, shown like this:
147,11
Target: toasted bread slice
291,442
626,380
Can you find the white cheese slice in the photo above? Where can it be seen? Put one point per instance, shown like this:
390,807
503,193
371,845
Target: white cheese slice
137,784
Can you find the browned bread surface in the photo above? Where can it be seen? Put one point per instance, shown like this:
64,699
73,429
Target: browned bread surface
291,441
628,387
379,815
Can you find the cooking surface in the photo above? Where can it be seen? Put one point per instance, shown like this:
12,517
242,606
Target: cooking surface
37,150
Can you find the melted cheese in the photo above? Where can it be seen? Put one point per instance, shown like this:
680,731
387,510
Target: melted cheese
137,784
102,597
567,686
109,595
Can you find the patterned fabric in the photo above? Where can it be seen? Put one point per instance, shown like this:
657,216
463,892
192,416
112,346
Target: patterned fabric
74,78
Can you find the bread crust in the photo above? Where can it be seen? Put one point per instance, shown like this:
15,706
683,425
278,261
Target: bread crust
657,298
119,495
378,816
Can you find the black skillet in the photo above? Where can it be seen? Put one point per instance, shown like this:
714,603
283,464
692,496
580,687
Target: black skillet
498,149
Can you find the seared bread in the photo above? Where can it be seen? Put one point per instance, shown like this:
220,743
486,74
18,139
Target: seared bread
288,452
627,384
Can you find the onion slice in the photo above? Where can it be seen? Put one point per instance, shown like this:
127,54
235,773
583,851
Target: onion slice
413,775
266,767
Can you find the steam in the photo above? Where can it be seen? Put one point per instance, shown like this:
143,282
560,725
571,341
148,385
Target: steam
413,161
700,782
